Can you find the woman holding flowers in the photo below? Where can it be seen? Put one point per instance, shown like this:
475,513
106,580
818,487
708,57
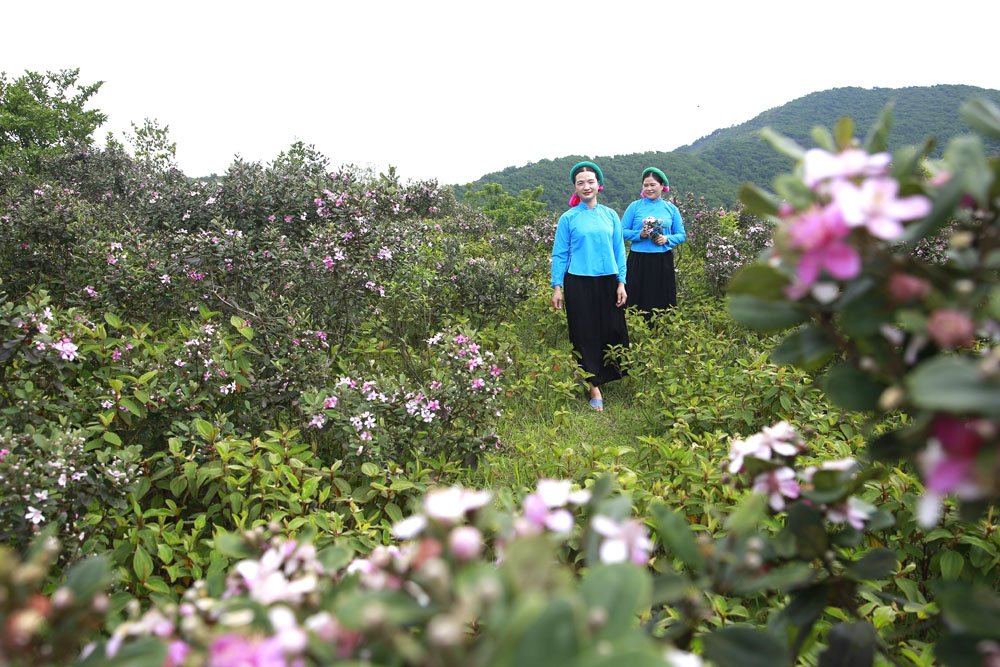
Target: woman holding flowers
588,264
655,228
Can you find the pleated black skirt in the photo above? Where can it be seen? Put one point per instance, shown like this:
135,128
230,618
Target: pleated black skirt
595,323
651,283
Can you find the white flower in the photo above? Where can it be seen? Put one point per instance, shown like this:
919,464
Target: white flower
34,515
628,540
410,527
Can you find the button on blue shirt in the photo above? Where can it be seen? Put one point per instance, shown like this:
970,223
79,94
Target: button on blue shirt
588,242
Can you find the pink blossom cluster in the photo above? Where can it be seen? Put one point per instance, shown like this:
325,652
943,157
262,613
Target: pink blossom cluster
853,192
949,463
778,445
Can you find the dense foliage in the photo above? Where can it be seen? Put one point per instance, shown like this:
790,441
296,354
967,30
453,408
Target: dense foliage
301,415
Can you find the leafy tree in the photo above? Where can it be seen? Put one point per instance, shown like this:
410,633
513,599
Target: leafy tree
42,114
508,211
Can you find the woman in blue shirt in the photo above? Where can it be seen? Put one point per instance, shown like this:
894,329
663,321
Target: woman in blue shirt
655,228
588,275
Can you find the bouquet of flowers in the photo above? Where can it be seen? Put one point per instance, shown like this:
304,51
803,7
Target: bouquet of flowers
651,227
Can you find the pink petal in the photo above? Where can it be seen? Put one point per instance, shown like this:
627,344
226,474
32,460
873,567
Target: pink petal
841,260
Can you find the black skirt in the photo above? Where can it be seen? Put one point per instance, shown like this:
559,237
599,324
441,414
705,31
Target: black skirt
595,323
651,284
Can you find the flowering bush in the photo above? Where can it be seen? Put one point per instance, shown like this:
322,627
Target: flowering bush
902,334
452,413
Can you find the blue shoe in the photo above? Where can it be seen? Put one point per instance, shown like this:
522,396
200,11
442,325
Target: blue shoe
597,404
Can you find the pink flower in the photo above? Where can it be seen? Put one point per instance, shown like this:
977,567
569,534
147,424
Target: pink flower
777,485
950,328
330,402
317,421
819,233
819,165
478,383
177,651
66,349
875,206
959,437
626,541
465,542
854,511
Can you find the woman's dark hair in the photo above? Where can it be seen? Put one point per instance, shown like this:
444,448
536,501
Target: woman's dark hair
586,168
656,177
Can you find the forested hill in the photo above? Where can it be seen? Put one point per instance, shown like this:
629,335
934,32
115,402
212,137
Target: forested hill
715,165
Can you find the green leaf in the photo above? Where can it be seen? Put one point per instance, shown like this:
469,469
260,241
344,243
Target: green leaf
808,348
675,532
370,469
130,405
954,384
967,159
851,388
112,438
335,557
874,565
759,280
823,138
757,201
782,144
742,646
958,651
970,609
237,322
231,545
764,316
748,516
844,132
951,564
147,376
849,645
204,428
88,577
621,591
878,136
552,639
806,524
142,564
113,320
982,116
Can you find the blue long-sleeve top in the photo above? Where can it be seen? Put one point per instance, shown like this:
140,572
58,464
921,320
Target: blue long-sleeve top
588,242
672,226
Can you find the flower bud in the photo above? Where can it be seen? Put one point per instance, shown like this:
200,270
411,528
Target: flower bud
868,364
965,287
373,615
445,631
100,603
753,561
950,328
904,288
62,598
891,398
465,543
755,543
962,239
597,618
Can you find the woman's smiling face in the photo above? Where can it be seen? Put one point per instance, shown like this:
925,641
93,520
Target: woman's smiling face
651,188
586,186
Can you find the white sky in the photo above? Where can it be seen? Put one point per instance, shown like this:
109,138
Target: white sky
455,89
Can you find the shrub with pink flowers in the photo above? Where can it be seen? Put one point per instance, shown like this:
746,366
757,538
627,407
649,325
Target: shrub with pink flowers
893,332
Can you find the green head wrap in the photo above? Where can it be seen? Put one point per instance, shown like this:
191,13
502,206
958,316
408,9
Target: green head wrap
580,165
666,183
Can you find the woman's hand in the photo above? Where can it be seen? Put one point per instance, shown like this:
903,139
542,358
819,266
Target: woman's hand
557,299
622,296
659,239
644,234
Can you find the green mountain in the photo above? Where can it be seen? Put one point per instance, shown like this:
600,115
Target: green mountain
715,165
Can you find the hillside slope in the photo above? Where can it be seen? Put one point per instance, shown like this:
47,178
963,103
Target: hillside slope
715,165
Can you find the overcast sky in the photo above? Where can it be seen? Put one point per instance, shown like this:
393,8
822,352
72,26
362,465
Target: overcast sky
453,90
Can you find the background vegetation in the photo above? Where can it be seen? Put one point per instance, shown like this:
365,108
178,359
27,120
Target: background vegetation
304,414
